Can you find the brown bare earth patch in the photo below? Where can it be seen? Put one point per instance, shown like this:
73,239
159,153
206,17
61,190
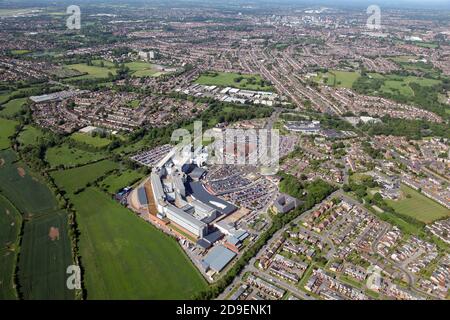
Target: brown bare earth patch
2,162
21,172
54,234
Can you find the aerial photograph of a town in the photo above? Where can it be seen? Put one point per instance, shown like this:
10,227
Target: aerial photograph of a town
232,150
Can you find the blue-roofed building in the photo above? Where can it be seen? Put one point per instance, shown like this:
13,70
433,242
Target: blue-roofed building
218,258
142,197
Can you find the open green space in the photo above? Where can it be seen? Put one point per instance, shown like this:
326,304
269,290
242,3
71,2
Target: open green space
44,257
12,107
30,135
126,258
91,72
73,179
114,182
10,221
235,80
418,206
68,156
337,78
7,129
42,264
142,69
95,141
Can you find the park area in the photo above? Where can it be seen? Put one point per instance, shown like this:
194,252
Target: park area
94,141
418,206
126,258
335,78
234,80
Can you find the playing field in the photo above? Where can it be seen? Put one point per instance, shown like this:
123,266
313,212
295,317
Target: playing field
65,155
418,206
126,258
337,78
7,129
92,72
96,141
113,183
73,179
10,220
142,69
230,79
12,107
42,263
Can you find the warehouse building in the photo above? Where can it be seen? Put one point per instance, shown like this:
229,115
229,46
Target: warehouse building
186,221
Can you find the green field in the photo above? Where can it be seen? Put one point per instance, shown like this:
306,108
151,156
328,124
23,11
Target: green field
10,220
126,258
229,79
418,206
30,135
73,179
96,141
7,129
142,69
337,78
67,156
42,265
12,107
43,260
114,182
92,72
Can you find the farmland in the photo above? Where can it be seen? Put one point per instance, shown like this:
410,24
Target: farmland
235,80
113,183
418,206
7,129
42,264
126,258
74,179
12,107
10,220
96,141
65,155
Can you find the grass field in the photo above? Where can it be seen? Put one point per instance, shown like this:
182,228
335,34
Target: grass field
65,155
142,69
7,129
113,183
92,72
337,78
418,206
72,179
229,79
43,264
126,258
12,107
30,135
401,84
10,220
97,141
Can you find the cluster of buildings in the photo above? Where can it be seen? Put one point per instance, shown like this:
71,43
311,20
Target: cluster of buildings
234,95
